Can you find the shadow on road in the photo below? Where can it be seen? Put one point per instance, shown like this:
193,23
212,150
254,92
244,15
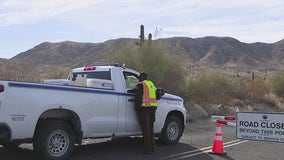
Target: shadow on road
116,149
16,153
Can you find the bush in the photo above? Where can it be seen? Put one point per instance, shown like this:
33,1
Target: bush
16,72
209,88
276,83
250,91
164,67
215,88
57,72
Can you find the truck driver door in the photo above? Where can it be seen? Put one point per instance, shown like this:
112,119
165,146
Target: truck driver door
132,123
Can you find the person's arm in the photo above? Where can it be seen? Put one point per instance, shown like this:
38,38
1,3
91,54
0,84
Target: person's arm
138,96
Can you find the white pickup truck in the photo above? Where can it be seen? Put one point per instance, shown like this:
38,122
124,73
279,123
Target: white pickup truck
93,102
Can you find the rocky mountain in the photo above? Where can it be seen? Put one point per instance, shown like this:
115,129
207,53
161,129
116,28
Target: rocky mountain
68,53
227,52
213,52
2,61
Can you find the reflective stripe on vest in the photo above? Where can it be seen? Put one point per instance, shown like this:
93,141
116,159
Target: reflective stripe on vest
149,94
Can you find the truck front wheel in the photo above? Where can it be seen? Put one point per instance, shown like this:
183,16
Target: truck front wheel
54,140
172,130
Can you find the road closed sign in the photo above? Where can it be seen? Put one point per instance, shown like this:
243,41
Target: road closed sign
260,126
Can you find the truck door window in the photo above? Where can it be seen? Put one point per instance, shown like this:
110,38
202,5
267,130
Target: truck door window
131,80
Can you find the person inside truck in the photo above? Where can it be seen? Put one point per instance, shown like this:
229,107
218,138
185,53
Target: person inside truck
145,106
74,77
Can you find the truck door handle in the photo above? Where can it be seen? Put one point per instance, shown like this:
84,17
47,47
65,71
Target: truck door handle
131,100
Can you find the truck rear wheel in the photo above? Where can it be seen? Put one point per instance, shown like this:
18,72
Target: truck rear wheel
172,130
54,140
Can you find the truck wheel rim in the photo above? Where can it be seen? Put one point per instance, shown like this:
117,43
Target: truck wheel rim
173,131
58,143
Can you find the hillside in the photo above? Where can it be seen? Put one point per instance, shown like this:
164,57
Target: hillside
223,53
2,61
227,52
68,53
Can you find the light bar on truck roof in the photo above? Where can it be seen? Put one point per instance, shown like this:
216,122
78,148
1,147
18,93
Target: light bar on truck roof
116,64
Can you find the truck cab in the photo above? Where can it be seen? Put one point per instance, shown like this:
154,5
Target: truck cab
121,80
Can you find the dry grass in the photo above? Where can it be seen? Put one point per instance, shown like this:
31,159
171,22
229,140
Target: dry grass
215,88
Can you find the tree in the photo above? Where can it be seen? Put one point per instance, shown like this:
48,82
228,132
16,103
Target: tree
163,65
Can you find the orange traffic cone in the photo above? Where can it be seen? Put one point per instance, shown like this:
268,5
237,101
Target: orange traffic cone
217,147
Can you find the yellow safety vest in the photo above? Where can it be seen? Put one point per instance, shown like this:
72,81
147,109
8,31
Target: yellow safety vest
149,94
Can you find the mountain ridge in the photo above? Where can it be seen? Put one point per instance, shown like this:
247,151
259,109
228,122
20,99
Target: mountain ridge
210,51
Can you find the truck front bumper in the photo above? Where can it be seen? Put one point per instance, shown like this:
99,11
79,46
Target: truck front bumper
5,133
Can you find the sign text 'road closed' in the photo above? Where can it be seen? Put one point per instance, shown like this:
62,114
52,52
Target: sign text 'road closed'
260,126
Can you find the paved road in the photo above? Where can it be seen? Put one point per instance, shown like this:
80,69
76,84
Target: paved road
195,144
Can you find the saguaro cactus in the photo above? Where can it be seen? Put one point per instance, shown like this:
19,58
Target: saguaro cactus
141,34
149,39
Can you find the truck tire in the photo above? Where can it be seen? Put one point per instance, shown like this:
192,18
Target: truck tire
54,140
172,130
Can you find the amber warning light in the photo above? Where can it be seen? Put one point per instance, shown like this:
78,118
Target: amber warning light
1,88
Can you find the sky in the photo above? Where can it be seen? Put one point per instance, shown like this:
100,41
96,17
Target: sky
25,24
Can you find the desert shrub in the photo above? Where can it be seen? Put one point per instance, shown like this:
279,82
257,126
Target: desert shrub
257,90
217,88
164,67
209,88
16,72
250,91
276,83
57,72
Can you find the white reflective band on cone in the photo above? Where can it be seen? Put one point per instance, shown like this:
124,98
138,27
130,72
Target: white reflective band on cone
218,138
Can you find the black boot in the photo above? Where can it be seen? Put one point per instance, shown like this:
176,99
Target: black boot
153,148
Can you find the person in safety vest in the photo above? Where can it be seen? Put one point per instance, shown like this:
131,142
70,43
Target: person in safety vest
146,105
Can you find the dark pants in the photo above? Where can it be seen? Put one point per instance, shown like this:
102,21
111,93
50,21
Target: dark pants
147,118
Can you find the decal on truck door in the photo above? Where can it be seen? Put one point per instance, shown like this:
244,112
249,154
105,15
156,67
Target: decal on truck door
17,117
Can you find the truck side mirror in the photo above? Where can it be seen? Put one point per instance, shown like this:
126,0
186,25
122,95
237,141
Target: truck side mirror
159,93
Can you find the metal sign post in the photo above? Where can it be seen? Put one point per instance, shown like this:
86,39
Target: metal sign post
260,126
